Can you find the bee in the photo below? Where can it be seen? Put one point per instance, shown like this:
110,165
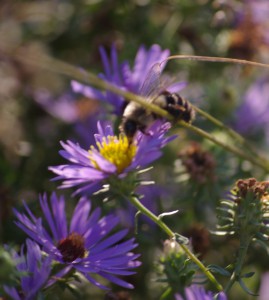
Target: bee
137,118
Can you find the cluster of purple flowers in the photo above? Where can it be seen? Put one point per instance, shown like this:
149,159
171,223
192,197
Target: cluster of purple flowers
89,244
85,244
36,272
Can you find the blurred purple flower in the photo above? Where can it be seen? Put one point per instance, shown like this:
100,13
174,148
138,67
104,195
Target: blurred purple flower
264,287
124,77
81,112
259,10
37,269
84,245
253,113
63,107
198,293
250,35
112,156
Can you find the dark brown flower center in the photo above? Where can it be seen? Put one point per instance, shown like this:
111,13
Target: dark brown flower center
72,247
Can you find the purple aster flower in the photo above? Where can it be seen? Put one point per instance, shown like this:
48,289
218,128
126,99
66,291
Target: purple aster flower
70,108
124,77
253,114
84,245
36,270
63,107
112,156
198,293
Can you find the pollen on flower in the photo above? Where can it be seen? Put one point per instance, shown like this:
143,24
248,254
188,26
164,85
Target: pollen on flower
116,150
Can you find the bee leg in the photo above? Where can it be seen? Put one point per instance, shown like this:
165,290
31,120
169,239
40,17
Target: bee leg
143,129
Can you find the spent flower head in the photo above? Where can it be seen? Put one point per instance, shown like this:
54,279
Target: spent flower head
246,212
34,271
200,164
85,245
199,238
111,157
250,34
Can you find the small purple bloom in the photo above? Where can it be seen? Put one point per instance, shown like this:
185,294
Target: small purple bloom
63,107
125,77
253,114
84,245
198,293
264,286
112,156
70,108
36,268
259,11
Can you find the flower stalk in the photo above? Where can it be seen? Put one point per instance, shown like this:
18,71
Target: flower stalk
172,235
233,134
242,252
245,215
66,69
262,163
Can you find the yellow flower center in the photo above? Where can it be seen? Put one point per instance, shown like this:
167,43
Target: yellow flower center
116,150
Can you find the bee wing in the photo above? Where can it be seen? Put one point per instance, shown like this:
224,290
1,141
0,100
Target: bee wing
151,87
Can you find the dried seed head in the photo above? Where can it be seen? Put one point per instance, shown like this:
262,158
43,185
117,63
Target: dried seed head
199,164
247,37
199,238
244,186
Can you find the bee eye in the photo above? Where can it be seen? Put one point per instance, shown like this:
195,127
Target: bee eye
130,128
171,99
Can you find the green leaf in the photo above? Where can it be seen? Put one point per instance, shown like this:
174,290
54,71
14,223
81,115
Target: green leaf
74,290
248,275
263,245
245,288
261,237
219,270
182,240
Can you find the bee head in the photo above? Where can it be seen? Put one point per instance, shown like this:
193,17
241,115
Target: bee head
129,128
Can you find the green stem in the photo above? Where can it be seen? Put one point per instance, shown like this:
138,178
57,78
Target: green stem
236,136
140,207
239,264
60,67
166,293
264,164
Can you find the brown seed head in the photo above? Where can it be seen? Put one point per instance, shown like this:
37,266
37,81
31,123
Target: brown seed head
199,238
258,188
199,164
